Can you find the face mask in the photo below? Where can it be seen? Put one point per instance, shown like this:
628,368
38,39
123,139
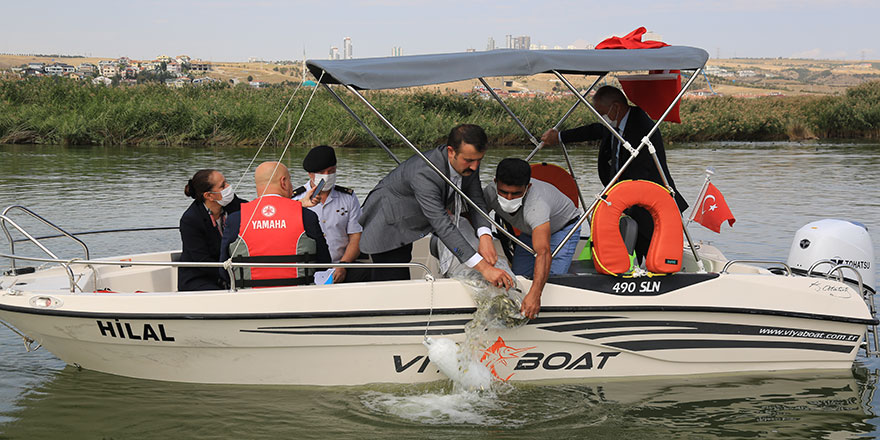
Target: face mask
609,121
329,180
226,194
510,206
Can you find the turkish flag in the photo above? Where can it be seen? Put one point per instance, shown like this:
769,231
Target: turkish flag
712,210
654,92
632,40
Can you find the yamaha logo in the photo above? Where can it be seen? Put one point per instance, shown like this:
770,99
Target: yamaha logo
268,211
805,243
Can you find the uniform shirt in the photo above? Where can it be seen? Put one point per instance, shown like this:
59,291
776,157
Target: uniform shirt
542,203
338,216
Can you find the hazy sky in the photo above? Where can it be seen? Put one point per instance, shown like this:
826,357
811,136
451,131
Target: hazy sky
274,30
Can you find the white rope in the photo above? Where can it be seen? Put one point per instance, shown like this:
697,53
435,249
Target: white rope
278,163
271,130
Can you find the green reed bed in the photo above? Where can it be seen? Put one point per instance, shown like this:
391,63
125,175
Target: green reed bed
59,111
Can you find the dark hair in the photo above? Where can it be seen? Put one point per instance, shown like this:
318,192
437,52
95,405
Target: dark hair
468,134
609,95
513,171
199,185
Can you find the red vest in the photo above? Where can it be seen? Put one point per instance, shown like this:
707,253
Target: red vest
271,225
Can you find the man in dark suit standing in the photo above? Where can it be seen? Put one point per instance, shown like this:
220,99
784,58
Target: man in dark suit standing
633,124
413,201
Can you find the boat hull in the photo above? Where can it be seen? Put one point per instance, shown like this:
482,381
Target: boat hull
339,335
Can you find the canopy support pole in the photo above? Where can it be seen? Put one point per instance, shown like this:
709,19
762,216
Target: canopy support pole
634,153
534,140
439,173
565,117
510,112
362,124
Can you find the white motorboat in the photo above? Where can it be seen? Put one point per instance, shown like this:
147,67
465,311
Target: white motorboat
123,315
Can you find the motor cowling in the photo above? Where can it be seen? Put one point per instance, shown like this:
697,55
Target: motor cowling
841,241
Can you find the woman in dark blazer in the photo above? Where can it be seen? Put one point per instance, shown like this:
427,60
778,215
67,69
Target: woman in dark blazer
201,228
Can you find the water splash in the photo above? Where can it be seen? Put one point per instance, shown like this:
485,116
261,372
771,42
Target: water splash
466,373
496,309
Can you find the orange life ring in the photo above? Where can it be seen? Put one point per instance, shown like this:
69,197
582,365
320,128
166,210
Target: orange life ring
666,249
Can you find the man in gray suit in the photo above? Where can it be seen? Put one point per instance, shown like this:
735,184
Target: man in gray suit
413,201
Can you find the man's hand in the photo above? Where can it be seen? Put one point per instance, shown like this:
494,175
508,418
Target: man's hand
487,249
531,305
493,275
338,275
550,137
306,200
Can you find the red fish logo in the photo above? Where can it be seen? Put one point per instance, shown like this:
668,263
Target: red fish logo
500,353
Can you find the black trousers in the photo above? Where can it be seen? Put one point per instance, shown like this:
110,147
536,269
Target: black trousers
402,254
357,274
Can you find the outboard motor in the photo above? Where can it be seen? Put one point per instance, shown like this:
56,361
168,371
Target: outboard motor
841,241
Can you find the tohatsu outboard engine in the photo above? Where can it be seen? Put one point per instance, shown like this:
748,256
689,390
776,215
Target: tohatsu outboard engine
841,242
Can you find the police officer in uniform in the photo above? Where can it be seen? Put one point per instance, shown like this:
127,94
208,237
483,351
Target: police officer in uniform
338,211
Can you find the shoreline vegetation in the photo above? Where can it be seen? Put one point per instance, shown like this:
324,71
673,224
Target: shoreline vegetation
64,112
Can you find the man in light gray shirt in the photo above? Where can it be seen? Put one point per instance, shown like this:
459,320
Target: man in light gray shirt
544,215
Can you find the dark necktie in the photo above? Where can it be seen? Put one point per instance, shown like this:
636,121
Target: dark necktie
615,151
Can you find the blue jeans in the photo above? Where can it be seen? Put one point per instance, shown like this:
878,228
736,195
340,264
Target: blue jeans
524,262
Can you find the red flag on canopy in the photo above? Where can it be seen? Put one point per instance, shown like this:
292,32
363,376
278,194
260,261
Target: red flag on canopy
654,92
712,210
632,40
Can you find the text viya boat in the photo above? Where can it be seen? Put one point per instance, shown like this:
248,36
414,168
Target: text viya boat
123,315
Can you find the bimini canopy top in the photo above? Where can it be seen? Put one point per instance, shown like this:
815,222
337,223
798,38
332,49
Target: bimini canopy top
420,70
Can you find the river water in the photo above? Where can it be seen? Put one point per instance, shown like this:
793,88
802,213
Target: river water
772,188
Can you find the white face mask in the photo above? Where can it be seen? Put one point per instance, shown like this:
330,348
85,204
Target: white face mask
329,180
609,121
226,194
510,206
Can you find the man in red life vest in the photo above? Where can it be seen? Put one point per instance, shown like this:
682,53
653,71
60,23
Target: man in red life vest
274,228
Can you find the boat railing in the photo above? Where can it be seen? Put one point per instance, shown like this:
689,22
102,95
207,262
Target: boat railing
732,262
227,265
867,295
4,219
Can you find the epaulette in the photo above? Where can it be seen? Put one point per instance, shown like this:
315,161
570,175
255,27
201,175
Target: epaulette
343,189
299,191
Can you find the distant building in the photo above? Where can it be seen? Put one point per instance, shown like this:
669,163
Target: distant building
130,72
183,59
87,68
109,70
257,84
470,50
490,45
396,51
77,75
172,67
651,36
124,61
199,66
346,45
508,41
102,80
36,66
58,69
204,81
164,59
522,42
334,53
